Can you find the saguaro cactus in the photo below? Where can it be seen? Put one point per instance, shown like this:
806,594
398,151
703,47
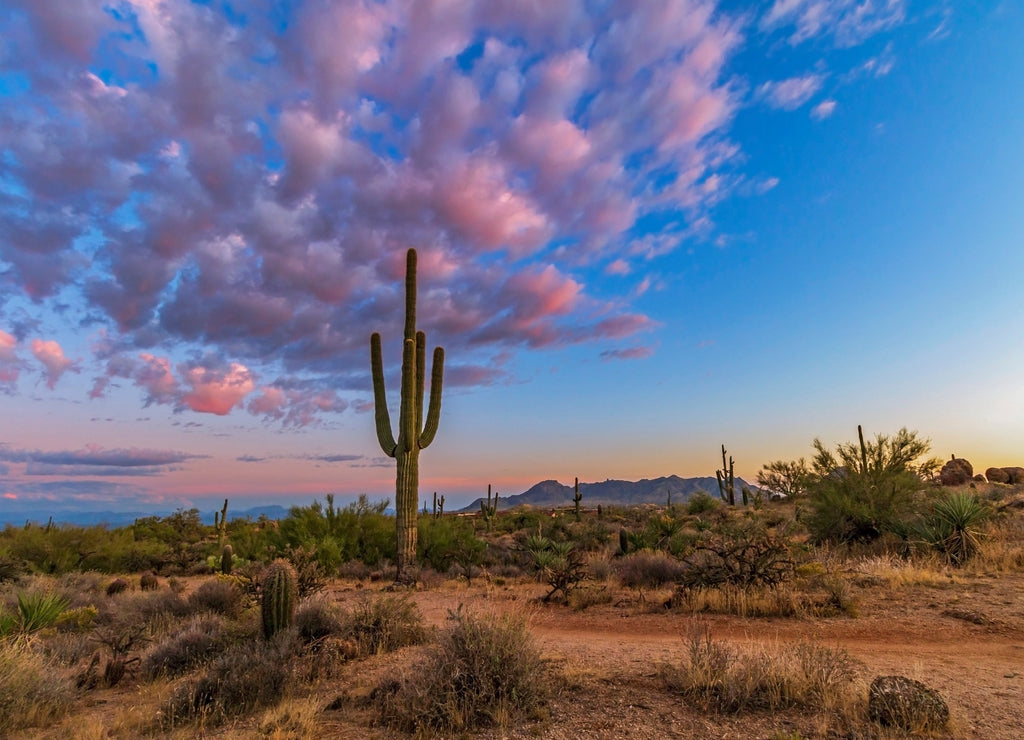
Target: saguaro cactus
280,592
489,509
414,434
726,481
577,497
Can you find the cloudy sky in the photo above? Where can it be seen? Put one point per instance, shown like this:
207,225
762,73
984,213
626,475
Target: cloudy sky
644,229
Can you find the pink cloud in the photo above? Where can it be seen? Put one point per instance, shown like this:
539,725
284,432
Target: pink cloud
50,354
479,203
217,391
154,375
617,267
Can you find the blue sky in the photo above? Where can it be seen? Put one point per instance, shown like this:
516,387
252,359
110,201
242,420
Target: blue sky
645,229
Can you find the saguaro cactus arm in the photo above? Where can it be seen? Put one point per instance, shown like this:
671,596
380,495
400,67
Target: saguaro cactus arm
434,411
380,399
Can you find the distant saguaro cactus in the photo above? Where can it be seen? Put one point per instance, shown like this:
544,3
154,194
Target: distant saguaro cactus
576,498
726,481
414,434
489,509
280,592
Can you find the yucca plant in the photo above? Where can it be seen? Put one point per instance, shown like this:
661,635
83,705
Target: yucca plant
38,611
952,527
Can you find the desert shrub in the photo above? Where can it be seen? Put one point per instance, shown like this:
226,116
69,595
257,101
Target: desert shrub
743,554
783,478
149,582
150,608
218,595
717,678
310,574
864,490
201,638
701,502
79,619
482,671
244,677
647,569
316,619
117,586
32,690
559,564
384,623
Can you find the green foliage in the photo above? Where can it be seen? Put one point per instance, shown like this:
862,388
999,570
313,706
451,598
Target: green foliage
952,526
227,557
861,491
359,531
447,541
785,478
280,592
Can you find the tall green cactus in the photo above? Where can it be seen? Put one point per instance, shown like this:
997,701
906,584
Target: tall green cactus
726,481
280,592
414,434
489,509
576,498
227,557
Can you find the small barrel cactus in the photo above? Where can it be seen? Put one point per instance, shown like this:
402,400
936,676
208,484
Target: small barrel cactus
226,558
280,592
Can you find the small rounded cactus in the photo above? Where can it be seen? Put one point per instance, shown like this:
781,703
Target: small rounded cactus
280,592
149,582
226,559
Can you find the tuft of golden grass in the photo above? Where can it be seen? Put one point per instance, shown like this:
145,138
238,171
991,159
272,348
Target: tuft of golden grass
33,689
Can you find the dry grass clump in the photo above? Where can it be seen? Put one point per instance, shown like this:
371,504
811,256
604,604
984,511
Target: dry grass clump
647,569
482,671
201,638
715,677
245,677
32,690
382,624
899,573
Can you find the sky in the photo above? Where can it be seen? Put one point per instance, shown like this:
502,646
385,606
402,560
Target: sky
645,229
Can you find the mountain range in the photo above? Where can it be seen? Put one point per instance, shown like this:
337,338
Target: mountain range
551,493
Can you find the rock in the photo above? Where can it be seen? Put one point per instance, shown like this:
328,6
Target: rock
1016,475
979,478
956,472
898,701
997,475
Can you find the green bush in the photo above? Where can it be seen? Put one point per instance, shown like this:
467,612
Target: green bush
864,490
951,527
447,541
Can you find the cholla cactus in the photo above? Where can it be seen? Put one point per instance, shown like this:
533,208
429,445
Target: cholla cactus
280,592
414,434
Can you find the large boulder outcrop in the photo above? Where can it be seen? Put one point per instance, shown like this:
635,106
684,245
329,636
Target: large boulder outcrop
997,475
898,701
1016,475
956,472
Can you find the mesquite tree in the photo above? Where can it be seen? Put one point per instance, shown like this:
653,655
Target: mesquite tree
414,433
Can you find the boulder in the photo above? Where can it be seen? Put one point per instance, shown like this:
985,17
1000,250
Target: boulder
979,478
956,472
898,701
1016,475
997,475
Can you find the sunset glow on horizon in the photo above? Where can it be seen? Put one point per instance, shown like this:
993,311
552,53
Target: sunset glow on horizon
644,229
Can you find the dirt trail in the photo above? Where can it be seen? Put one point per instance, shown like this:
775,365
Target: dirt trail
615,653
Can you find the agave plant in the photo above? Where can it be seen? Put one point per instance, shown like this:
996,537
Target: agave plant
952,527
38,611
